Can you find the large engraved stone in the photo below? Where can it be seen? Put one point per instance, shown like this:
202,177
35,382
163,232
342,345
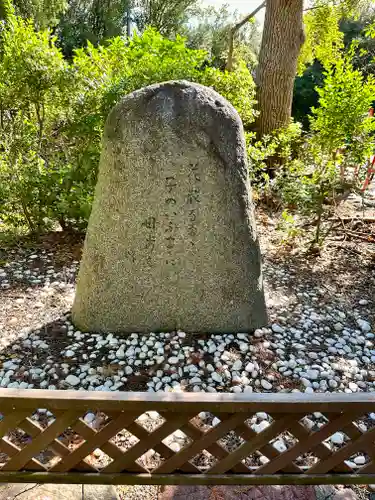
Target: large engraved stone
171,241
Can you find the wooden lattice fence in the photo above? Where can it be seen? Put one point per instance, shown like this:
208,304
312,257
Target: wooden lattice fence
122,445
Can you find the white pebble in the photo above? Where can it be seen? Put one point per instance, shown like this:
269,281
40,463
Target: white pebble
250,367
360,460
237,365
266,385
217,378
277,328
364,325
337,438
72,380
279,445
89,418
173,360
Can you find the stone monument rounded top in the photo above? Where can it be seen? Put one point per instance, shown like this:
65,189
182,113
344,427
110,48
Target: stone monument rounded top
171,241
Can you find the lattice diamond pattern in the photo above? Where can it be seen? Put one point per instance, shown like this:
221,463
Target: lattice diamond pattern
127,442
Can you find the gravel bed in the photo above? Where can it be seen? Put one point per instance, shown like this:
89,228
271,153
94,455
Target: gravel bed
320,338
312,345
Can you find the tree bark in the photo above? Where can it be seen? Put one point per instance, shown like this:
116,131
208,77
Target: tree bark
283,36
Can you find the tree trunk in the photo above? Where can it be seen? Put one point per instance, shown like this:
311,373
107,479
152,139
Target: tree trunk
283,36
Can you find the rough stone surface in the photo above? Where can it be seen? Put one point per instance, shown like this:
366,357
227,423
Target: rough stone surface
256,493
29,491
238,493
329,492
171,241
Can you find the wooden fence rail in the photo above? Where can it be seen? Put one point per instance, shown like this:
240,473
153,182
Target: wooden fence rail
185,438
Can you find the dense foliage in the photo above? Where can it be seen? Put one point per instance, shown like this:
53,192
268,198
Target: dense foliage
165,16
319,170
52,113
57,89
209,28
44,13
93,21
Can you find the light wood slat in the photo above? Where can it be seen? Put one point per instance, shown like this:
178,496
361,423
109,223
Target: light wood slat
214,449
115,452
13,400
178,409
164,451
11,450
42,441
8,448
368,448
257,442
353,432
185,479
33,429
11,421
267,450
303,446
368,468
173,422
110,449
102,436
321,451
342,454
86,432
196,447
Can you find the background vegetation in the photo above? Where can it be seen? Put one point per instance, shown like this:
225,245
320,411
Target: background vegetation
64,64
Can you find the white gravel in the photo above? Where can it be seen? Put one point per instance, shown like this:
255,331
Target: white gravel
314,344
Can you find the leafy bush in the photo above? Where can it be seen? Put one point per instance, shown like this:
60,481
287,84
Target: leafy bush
105,74
282,146
237,86
341,121
53,112
332,159
32,81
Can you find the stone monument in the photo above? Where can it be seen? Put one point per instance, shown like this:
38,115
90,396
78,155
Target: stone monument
171,241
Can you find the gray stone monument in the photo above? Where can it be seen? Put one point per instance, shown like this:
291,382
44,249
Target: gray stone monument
171,241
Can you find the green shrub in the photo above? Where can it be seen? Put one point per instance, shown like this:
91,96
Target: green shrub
282,146
53,113
330,162
237,87
105,74
32,83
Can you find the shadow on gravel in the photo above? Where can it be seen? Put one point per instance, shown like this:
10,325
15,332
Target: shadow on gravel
43,364
340,276
29,260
